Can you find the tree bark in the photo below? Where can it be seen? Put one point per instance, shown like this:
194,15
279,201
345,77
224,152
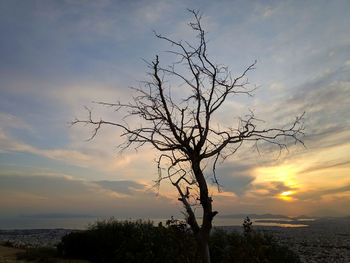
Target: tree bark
202,236
203,245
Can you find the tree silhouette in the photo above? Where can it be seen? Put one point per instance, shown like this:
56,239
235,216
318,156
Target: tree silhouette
183,129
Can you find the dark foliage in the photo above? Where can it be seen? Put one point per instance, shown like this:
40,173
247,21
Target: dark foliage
140,241
42,255
252,247
247,226
126,241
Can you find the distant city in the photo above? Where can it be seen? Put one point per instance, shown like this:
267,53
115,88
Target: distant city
314,239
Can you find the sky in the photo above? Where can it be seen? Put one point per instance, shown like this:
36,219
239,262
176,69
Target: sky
58,56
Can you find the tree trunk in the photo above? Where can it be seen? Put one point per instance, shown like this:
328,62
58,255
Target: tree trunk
206,254
206,202
203,249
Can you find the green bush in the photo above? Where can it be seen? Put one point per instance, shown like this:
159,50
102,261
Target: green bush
130,241
255,247
139,241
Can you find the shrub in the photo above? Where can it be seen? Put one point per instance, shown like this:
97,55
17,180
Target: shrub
249,247
130,241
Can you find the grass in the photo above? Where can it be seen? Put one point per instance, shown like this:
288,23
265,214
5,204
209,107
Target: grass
41,254
7,244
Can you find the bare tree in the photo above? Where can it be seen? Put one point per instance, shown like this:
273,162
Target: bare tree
184,131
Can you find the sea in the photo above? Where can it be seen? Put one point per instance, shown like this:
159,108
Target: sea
22,222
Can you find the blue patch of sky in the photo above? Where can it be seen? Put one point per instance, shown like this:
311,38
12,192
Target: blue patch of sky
19,28
45,138
40,48
49,127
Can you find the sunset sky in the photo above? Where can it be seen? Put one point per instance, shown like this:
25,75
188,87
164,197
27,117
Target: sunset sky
58,56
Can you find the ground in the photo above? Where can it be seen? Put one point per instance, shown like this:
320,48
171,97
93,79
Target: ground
8,255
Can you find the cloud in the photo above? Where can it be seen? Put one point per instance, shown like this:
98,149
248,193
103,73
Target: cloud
54,215
11,121
123,187
322,96
324,99
152,12
97,154
9,144
234,177
263,11
318,194
50,183
324,91
64,194
325,165
269,189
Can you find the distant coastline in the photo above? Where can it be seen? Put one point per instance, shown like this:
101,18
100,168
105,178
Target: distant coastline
82,221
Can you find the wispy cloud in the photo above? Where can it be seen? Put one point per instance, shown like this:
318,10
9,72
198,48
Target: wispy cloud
321,193
325,165
122,187
60,193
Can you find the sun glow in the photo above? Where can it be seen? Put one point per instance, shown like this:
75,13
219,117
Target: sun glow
286,174
286,195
